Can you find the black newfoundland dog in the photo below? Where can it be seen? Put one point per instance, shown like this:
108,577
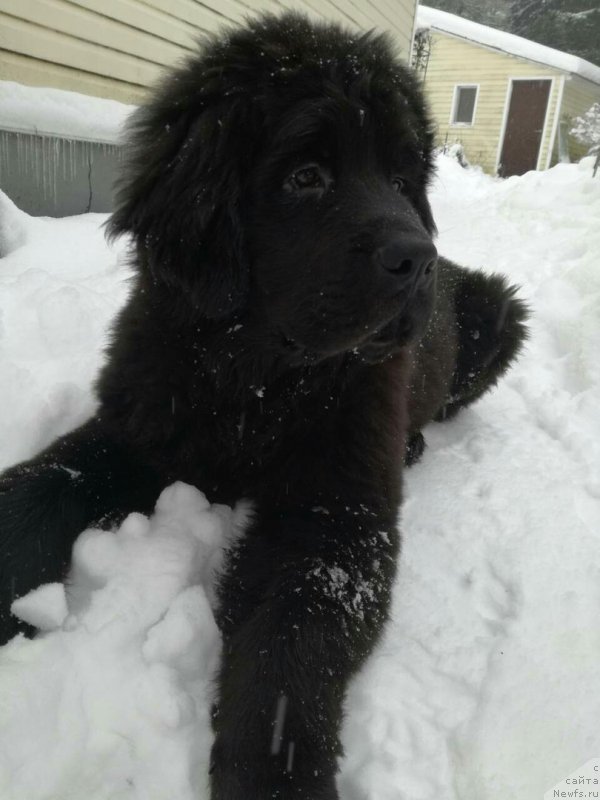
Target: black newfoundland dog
275,193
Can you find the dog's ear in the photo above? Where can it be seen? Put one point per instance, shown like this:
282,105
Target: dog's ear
180,193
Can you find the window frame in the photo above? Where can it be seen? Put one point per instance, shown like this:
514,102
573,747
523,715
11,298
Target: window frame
454,108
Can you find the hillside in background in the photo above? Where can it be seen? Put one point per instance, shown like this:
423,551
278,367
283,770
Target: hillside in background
489,12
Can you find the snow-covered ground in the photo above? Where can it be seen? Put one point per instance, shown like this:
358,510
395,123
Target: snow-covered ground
487,684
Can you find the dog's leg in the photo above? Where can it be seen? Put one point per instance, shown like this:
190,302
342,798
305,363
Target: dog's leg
491,321
476,333
83,478
305,599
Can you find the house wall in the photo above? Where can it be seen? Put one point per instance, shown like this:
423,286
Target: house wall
579,95
455,61
117,48
51,176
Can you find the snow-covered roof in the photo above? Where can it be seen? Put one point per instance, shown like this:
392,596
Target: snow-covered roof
506,42
54,112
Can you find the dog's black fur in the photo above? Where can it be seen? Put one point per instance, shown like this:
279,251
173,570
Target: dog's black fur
474,334
266,352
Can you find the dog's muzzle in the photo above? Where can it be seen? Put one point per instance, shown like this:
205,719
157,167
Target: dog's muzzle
409,260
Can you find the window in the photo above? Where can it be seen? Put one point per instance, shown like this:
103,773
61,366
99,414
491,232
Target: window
465,98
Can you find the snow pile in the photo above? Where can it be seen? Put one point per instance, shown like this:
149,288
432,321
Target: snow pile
486,685
117,704
55,112
59,288
507,42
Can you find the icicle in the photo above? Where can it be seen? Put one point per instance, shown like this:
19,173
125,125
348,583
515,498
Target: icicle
44,147
35,161
3,152
55,171
19,151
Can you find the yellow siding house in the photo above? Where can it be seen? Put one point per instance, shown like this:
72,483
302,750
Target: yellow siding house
507,101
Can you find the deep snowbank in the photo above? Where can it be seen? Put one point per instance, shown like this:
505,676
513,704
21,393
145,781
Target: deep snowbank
55,112
116,704
486,686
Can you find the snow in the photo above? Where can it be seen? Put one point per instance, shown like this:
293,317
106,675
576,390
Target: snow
59,288
433,18
55,112
116,704
586,128
486,684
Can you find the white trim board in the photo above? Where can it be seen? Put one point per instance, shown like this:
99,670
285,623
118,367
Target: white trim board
557,110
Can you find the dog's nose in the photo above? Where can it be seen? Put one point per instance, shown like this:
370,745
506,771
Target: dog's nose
411,259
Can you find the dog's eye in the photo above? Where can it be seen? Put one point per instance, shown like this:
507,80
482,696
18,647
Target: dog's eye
309,177
399,184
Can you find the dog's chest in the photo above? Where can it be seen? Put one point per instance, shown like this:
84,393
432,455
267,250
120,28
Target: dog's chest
261,428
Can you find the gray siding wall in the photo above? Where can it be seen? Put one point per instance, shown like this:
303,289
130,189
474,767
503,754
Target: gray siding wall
55,177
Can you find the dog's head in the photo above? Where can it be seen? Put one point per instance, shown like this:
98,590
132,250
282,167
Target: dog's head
283,173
